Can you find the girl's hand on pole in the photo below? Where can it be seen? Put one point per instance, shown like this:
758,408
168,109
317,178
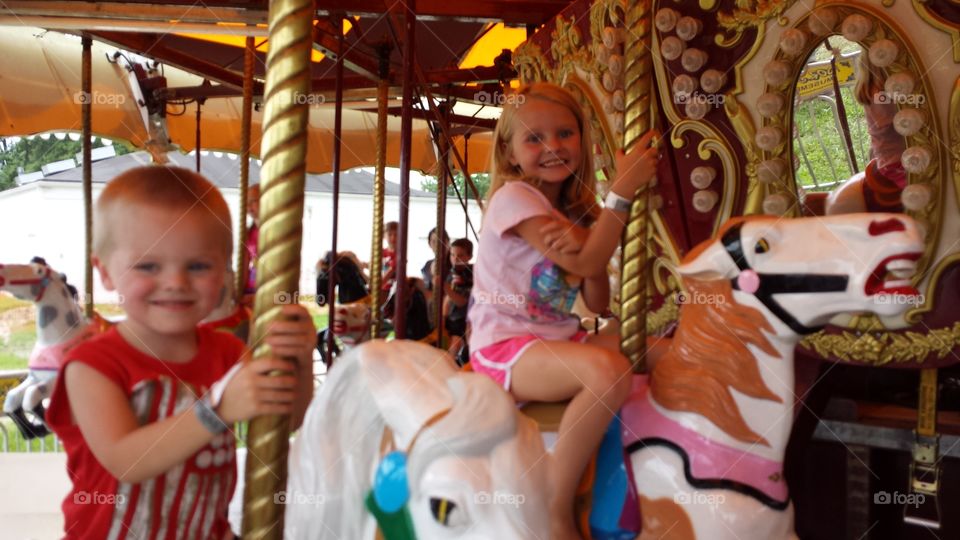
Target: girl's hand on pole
638,167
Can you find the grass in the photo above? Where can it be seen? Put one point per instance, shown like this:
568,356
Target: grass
15,442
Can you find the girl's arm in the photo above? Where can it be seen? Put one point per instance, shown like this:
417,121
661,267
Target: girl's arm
134,453
596,293
634,170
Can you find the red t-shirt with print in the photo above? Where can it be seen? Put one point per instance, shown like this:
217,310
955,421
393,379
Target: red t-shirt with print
188,501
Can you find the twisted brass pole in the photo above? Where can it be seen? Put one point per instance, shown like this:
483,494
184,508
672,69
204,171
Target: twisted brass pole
637,120
278,262
86,129
376,244
245,123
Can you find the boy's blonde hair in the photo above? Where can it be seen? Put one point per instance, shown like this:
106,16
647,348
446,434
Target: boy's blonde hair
170,188
578,200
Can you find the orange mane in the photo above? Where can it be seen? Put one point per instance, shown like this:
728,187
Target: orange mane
710,355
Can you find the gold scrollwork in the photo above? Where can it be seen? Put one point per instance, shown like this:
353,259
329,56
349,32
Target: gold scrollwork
749,14
882,348
712,142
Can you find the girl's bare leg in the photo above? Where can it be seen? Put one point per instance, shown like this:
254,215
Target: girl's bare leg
598,381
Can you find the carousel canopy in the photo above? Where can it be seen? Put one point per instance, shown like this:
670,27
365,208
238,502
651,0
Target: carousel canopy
199,51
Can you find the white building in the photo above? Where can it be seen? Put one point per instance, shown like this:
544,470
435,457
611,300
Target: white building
46,218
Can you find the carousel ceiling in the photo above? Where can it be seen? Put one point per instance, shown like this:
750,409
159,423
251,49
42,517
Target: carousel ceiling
200,53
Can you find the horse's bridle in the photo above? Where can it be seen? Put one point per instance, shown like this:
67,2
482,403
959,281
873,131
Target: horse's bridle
43,281
767,285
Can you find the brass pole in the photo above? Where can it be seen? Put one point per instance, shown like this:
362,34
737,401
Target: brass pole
406,127
442,257
197,142
278,262
376,247
637,120
246,121
337,148
87,134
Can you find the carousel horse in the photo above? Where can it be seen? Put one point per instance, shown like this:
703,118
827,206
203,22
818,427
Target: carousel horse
707,431
352,313
702,438
60,327
399,443
351,323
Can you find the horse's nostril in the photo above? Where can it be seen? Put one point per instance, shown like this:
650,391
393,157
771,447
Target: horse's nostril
878,228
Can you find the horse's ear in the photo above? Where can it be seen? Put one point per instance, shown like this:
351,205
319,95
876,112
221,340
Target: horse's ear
708,261
408,384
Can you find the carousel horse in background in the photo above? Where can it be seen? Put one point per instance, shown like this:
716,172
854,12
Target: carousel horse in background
60,327
398,440
352,313
701,440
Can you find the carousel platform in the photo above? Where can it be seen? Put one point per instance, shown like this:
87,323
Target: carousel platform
33,488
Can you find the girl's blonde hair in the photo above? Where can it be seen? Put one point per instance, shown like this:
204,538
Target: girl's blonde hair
869,80
578,200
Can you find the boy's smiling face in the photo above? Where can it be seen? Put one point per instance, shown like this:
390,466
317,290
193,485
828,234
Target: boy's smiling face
168,267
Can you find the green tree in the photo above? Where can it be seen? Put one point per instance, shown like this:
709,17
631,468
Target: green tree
33,153
481,180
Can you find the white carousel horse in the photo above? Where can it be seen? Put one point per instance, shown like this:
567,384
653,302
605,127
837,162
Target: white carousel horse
469,465
60,327
708,431
705,434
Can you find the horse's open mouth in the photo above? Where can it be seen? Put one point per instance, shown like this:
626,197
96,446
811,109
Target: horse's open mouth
892,276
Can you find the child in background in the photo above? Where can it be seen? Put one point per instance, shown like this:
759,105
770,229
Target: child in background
879,187
388,268
144,411
457,292
544,239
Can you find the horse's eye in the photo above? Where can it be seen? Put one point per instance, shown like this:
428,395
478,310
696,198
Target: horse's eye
446,512
762,246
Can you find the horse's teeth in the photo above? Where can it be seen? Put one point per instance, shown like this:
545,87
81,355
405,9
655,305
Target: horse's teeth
901,264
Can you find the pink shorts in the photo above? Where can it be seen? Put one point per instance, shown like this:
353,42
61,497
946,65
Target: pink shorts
496,361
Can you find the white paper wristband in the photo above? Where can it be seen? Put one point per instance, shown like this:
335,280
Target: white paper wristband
617,203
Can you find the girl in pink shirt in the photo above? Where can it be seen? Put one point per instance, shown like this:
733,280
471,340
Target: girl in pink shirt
544,240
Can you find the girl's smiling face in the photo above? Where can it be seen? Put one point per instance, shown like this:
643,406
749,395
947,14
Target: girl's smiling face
546,141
